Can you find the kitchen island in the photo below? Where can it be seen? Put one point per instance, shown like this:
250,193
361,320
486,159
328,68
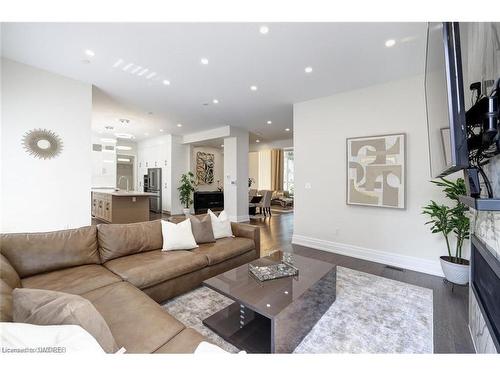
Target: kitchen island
120,206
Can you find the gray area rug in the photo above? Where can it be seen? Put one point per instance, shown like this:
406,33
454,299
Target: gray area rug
372,314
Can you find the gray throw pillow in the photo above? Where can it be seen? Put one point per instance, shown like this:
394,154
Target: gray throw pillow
202,229
48,307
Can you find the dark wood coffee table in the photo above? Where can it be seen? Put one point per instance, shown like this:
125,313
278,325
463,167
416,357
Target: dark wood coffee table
272,316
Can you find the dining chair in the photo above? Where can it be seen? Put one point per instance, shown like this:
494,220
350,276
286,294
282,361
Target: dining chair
265,204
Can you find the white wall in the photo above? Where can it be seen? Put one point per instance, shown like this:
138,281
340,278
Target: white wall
132,153
43,195
236,175
253,168
284,143
322,218
103,164
179,164
218,167
264,169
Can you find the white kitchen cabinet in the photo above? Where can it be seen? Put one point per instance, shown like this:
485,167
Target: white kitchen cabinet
154,153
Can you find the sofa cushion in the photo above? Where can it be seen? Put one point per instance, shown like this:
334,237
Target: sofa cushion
177,236
8,273
185,342
137,322
153,267
5,302
34,253
224,248
221,225
74,280
118,240
202,229
47,307
70,338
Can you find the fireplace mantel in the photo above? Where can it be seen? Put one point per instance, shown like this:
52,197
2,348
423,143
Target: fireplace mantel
484,298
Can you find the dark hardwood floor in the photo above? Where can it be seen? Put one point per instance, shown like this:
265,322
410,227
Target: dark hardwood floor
451,332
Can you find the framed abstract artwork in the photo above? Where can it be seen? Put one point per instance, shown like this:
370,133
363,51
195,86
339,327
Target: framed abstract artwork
376,171
205,168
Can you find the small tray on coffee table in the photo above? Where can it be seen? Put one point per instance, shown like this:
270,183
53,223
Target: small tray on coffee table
272,271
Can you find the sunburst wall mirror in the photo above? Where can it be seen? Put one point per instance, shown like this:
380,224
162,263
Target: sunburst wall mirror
42,143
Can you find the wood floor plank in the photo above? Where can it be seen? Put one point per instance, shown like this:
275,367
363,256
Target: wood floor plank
450,308
451,332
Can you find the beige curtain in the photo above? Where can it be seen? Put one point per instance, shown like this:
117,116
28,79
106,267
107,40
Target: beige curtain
277,166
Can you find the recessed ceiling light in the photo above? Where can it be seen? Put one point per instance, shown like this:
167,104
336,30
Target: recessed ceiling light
124,159
179,125
108,140
215,101
127,67
308,69
123,148
136,69
254,88
287,129
142,72
150,75
390,43
204,60
117,63
124,135
257,141
166,82
264,29
269,122
161,130
89,53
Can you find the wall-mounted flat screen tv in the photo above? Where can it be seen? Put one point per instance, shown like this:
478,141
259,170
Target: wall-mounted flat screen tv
444,97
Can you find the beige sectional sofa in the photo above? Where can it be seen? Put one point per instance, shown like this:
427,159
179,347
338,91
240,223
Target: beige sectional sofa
121,269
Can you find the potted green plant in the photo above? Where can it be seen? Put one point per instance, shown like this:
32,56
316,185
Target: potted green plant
451,221
186,190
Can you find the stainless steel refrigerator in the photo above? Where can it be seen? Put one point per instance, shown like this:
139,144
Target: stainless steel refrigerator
152,184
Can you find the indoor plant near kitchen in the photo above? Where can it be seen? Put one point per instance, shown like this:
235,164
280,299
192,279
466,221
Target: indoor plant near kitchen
186,189
451,221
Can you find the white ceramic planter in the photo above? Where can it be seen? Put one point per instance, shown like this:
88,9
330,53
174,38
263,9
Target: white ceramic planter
186,211
454,272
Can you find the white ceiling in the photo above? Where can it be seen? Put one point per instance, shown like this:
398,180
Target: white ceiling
344,56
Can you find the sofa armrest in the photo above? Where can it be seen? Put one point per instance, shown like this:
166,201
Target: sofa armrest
8,274
248,231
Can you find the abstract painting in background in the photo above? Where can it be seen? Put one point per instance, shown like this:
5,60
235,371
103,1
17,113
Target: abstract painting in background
376,171
204,168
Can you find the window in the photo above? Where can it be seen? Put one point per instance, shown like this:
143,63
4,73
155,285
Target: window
288,175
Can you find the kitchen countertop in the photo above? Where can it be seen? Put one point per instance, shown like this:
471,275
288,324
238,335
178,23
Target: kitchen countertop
122,193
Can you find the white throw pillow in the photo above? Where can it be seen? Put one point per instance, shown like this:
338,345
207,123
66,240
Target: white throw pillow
208,348
177,236
31,338
220,225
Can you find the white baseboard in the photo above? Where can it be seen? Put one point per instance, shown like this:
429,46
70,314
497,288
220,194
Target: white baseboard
402,261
